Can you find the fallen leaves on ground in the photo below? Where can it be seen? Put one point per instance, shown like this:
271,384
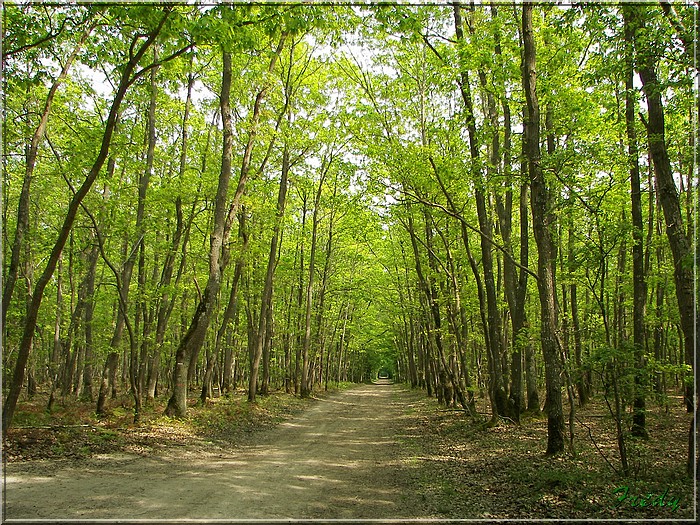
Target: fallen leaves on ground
467,471
74,431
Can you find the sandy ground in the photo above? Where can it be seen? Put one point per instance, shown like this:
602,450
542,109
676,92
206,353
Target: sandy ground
341,459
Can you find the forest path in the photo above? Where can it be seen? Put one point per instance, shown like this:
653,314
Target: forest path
343,458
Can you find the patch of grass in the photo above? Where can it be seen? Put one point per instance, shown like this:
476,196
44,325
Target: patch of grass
74,430
31,416
101,436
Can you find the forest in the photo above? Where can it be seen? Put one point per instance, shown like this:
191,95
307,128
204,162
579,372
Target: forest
491,204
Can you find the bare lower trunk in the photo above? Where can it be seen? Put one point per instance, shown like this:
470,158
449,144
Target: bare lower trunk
108,378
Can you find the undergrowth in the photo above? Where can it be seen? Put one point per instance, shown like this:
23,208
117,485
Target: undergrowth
468,471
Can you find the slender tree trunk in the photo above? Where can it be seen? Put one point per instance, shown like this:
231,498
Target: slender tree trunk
219,250
287,344
266,300
515,287
493,321
582,386
531,392
300,299
542,222
305,375
54,363
166,302
638,272
230,313
320,334
139,358
194,337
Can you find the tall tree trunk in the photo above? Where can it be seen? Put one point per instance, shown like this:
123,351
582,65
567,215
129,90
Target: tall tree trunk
319,337
305,375
287,344
54,368
300,299
582,386
192,342
542,223
138,359
219,250
531,392
230,313
266,299
681,247
638,273
493,318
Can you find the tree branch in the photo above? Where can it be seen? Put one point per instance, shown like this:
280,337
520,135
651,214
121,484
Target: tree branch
472,228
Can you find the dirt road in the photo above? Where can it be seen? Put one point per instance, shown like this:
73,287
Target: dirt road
343,458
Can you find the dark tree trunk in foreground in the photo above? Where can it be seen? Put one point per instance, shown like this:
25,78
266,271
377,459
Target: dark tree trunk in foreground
542,223
681,247
638,273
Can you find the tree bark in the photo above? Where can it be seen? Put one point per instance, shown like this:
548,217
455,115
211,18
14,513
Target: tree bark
219,250
681,247
108,378
638,273
266,299
89,315
542,223
300,299
305,361
493,318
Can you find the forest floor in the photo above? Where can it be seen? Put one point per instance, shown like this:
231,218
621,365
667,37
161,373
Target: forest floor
368,452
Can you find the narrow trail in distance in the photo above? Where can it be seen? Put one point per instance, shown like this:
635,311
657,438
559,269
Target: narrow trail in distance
341,459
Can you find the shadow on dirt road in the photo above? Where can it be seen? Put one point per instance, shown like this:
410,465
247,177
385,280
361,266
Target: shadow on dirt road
341,459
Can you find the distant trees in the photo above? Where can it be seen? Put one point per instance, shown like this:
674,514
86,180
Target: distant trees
442,106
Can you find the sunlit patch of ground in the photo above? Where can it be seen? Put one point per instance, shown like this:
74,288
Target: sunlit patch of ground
467,471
